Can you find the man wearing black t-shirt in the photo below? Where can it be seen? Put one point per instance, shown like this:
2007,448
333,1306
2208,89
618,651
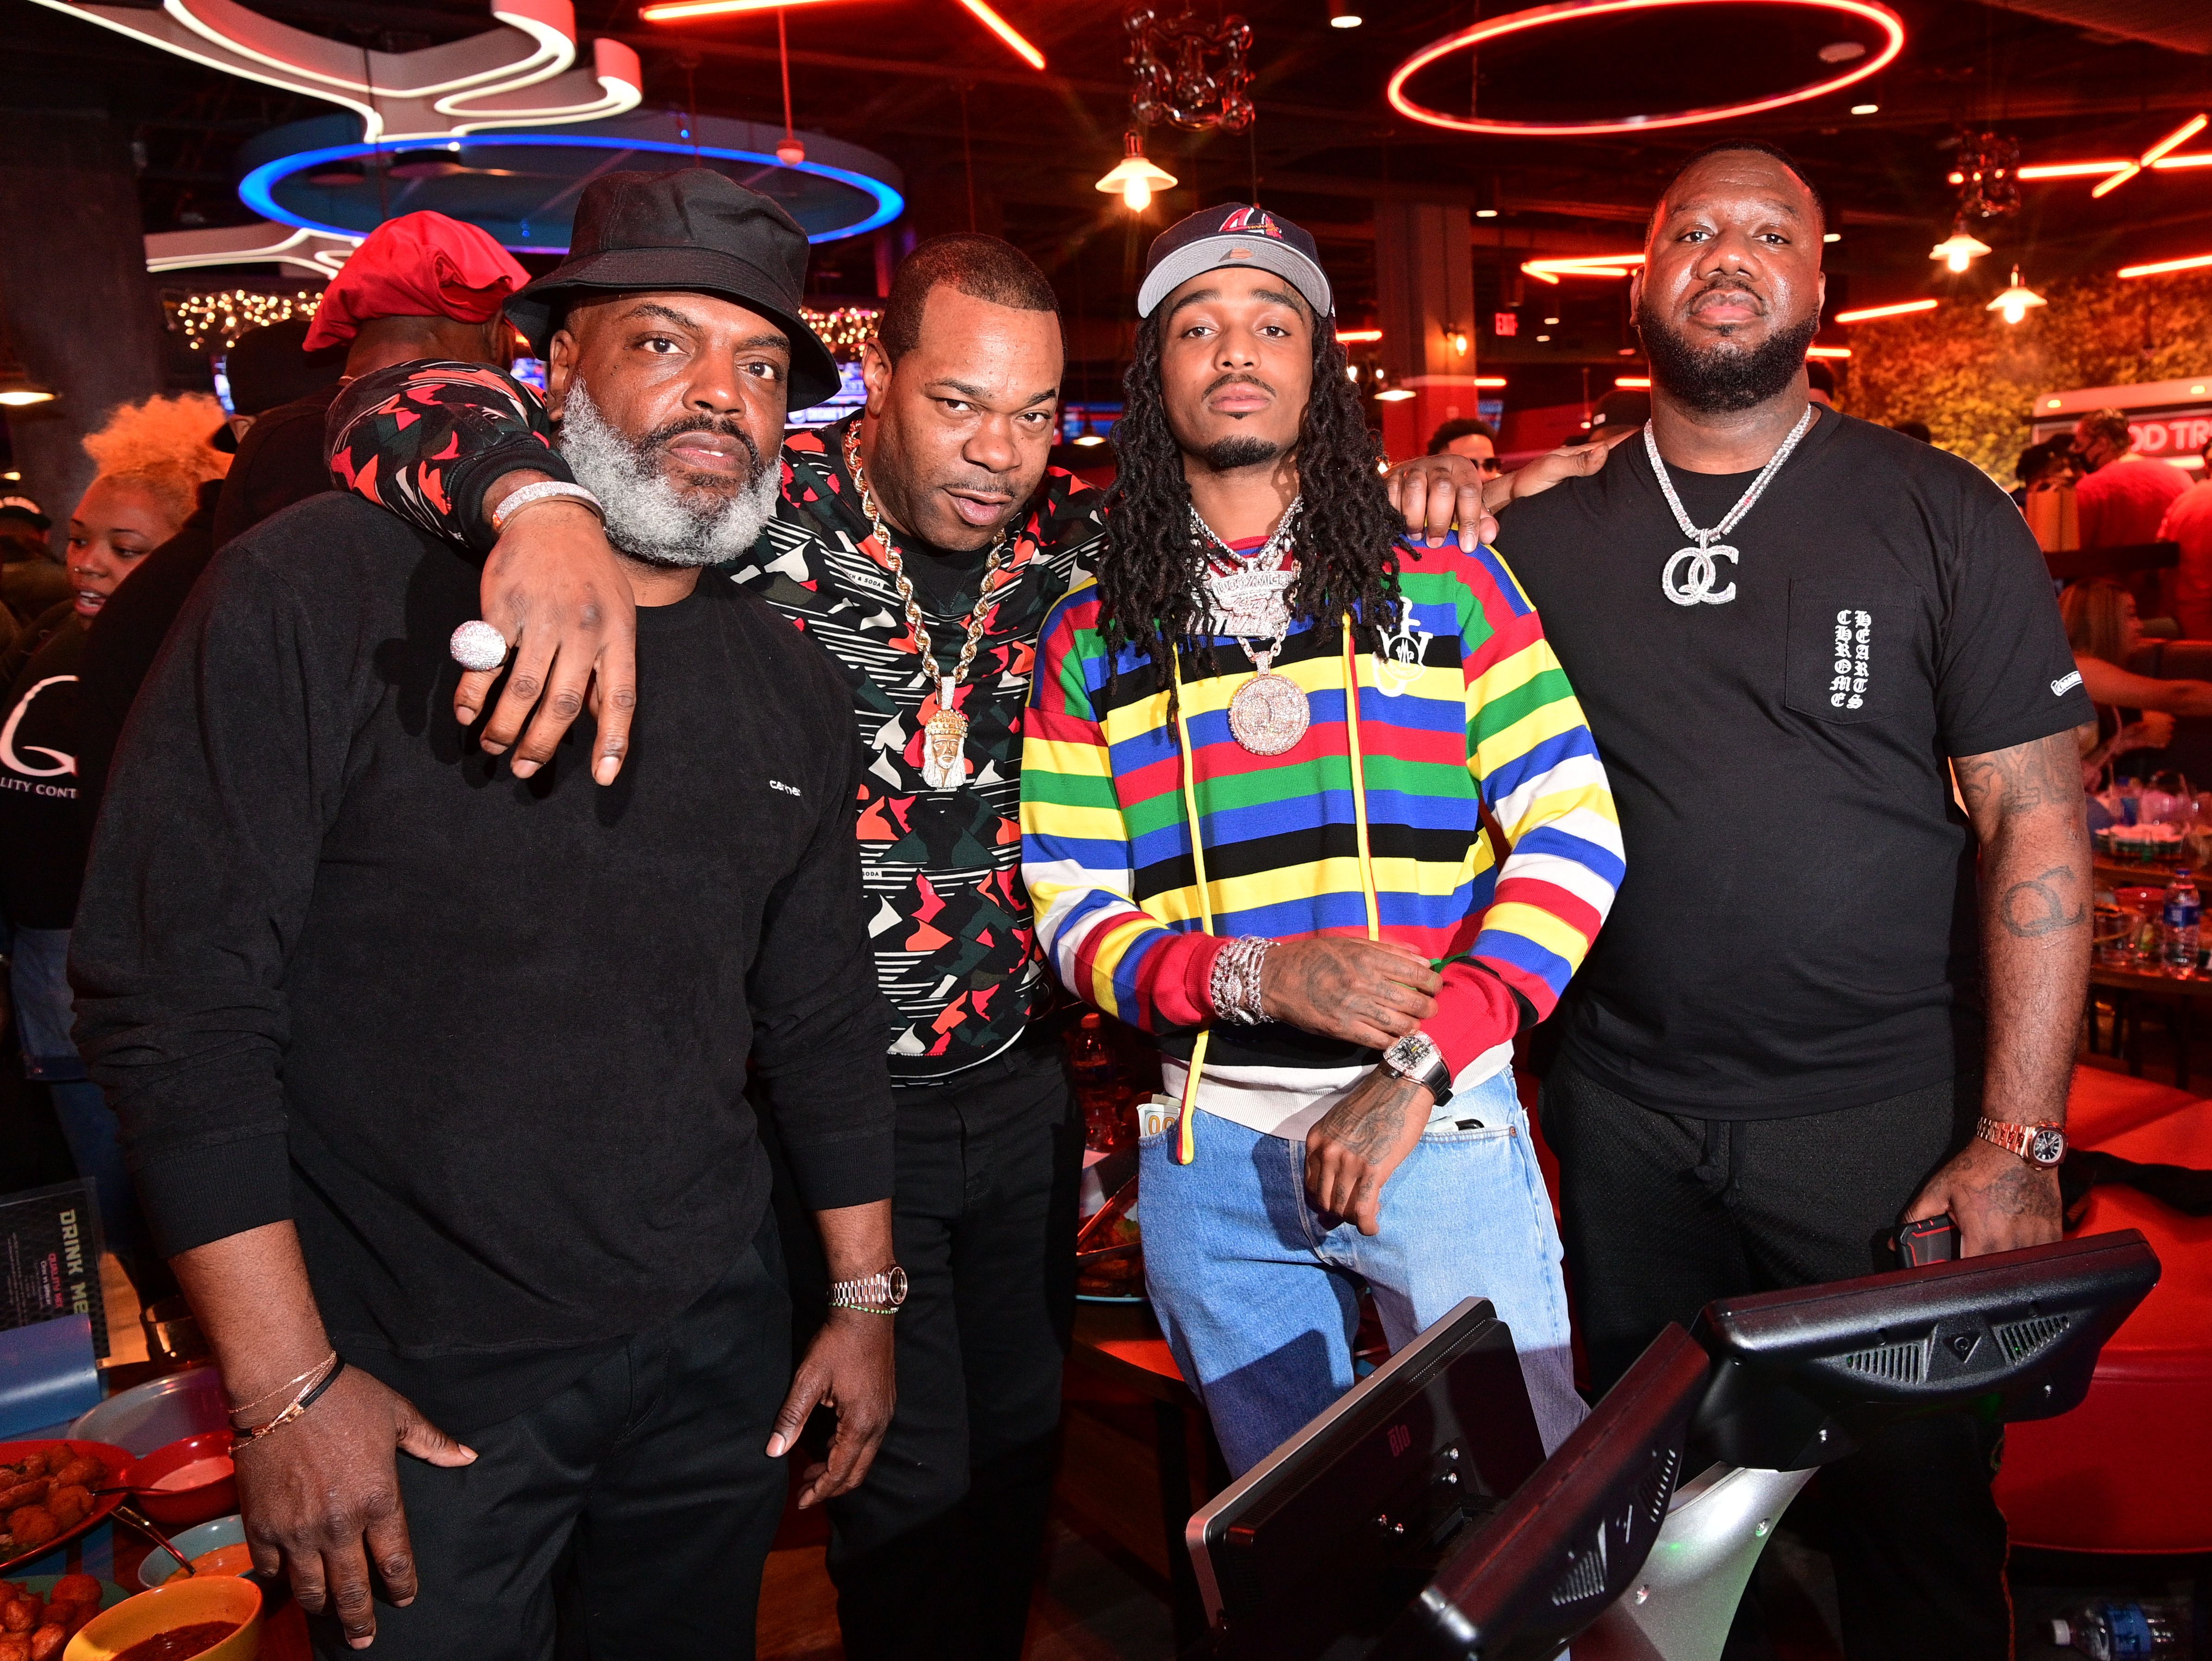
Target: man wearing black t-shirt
1784,1040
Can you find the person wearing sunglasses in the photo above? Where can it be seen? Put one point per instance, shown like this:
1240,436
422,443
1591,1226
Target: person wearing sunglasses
1475,440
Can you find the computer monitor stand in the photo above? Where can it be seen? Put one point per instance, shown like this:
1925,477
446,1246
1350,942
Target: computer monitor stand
1685,1598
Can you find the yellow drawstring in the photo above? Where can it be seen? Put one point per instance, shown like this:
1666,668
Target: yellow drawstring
1187,1128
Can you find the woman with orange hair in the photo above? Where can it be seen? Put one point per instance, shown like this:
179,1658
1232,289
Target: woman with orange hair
153,457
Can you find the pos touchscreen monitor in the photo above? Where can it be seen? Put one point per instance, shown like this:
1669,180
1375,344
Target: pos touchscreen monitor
1312,1551
1802,1377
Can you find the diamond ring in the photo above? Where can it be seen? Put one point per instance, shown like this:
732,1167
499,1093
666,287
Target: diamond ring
477,645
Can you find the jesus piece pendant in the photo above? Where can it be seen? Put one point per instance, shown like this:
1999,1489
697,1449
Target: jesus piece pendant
944,744
1269,713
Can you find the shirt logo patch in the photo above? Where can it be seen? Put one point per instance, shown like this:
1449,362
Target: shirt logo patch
2066,684
1854,635
1250,219
788,789
1398,660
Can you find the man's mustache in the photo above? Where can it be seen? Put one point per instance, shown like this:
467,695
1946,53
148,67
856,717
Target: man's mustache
1239,378
1729,282
660,435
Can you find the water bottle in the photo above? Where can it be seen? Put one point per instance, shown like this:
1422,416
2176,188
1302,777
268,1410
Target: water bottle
1097,1087
2151,1629
2183,911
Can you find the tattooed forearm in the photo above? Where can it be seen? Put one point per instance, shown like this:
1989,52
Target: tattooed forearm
1370,1122
2042,905
2006,783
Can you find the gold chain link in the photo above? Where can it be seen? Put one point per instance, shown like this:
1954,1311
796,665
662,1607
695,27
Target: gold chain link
975,622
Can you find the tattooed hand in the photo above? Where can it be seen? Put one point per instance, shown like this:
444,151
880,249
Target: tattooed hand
1999,1200
1351,1153
1368,992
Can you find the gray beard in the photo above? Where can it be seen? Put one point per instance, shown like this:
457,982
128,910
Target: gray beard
648,517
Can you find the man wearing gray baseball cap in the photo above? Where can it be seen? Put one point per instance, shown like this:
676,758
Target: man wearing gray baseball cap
434,1079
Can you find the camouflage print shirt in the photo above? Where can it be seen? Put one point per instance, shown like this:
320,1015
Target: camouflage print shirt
955,947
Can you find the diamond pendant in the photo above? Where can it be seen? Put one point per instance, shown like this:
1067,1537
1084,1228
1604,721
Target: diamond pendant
1691,573
943,744
1269,713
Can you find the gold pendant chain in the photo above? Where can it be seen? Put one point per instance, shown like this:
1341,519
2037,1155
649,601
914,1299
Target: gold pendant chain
976,620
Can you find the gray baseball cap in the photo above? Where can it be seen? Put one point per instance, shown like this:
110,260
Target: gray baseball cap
1233,233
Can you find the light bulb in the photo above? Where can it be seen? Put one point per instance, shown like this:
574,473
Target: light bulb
1138,194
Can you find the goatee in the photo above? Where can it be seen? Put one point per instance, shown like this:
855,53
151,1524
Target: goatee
1227,455
648,517
1725,376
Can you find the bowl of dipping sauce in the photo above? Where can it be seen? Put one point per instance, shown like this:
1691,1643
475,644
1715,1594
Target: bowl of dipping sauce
217,1547
186,1480
204,1618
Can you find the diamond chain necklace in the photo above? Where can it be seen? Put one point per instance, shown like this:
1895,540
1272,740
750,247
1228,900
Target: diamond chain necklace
1695,586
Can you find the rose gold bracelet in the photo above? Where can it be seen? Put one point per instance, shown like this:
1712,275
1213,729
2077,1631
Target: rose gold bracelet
289,1384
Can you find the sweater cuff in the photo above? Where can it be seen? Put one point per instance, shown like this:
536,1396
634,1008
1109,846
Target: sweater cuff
204,1194
850,1170
524,452
1182,977
1476,1012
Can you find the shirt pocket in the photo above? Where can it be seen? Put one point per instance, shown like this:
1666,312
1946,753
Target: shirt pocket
1849,648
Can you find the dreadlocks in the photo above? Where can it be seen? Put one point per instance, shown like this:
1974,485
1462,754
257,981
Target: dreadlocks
1150,576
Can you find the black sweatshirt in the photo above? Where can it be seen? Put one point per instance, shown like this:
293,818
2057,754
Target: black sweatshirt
485,1040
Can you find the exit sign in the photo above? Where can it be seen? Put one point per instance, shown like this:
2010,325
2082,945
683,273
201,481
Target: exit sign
1505,323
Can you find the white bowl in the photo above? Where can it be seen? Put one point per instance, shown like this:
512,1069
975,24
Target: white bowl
159,1412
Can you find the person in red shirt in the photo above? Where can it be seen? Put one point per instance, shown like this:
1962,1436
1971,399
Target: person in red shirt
2126,495
2189,522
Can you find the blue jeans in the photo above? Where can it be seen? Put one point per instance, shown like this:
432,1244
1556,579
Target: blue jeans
1259,1298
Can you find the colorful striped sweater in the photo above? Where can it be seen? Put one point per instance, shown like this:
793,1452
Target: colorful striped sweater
1466,710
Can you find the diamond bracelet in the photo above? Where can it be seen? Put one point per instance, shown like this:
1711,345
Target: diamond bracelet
1235,984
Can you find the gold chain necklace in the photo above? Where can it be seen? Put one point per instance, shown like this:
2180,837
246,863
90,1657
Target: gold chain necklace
944,735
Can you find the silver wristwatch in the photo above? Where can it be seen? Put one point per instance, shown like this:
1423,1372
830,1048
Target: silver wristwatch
2043,1145
880,1293
1416,1056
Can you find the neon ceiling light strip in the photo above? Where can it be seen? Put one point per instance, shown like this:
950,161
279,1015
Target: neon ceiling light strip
1006,32
1869,314
682,9
2120,170
2160,267
1827,351
1594,265
258,189
1358,336
1882,17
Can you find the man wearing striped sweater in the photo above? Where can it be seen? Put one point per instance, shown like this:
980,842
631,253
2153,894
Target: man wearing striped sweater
1336,966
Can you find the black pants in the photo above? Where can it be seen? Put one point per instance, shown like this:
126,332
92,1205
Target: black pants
646,1483
936,1553
1664,1213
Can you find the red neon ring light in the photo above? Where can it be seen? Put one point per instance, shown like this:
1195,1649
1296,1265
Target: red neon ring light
1538,16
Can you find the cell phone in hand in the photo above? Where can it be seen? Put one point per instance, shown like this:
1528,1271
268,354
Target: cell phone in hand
1930,1241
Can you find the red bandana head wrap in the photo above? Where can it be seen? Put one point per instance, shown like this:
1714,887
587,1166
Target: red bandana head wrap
420,265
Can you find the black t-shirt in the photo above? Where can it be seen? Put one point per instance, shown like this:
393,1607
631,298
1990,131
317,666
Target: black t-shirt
484,1039
42,832
1797,929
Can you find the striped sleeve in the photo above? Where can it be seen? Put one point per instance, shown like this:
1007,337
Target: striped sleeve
1531,754
1077,861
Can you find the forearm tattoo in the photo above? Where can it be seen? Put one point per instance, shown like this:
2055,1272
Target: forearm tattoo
2041,906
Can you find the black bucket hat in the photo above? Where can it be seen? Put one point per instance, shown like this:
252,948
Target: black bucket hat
695,229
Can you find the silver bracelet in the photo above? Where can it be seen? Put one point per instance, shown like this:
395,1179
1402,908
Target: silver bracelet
550,490
1234,985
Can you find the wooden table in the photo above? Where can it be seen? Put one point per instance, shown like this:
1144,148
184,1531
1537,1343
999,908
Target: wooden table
2181,995
1121,1342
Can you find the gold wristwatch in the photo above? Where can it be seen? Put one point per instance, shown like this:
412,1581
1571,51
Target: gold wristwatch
2043,1145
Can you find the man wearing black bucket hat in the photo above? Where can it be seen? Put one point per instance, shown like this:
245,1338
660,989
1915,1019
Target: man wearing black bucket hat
433,1081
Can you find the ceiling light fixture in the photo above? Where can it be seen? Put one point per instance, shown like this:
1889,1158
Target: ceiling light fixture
1473,37
1866,109
678,10
1959,250
1827,351
2159,157
2160,267
1395,395
2015,302
1134,177
1633,383
1459,342
1342,17
1869,314
1588,265
1358,336
1841,51
1491,381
